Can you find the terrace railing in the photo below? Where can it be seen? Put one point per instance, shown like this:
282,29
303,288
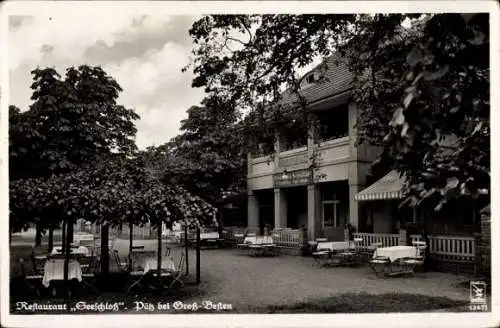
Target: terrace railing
453,248
368,239
459,248
288,238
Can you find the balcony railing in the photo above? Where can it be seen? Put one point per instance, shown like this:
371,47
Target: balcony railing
326,153
294,157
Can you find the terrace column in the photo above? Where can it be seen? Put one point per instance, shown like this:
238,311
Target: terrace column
354,205
253,212
280,208
313,212
356,180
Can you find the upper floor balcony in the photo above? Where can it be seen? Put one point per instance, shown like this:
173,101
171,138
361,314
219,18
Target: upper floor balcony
328,142
319,154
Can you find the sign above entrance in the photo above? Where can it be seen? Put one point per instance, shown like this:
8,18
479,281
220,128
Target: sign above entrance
293,178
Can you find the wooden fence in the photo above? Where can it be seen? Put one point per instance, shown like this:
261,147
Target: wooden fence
453,248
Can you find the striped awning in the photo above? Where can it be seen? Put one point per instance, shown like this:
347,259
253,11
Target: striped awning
389,187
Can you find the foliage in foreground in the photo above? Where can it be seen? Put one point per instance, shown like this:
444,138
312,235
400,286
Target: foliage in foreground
116,190
73,156
415,86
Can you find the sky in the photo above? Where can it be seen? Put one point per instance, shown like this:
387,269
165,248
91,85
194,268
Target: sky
145,54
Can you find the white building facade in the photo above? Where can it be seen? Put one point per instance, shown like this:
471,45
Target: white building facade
314,186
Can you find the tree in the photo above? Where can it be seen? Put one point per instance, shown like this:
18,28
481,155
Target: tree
208,157
414,86
113,191
72,121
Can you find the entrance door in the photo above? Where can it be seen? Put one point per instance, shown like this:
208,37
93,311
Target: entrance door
333,219
266,217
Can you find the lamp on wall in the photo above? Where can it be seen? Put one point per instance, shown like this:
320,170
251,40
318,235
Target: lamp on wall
285,175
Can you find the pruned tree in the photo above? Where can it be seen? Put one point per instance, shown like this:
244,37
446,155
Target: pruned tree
73,121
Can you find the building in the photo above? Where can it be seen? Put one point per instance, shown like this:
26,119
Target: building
284,191
287,192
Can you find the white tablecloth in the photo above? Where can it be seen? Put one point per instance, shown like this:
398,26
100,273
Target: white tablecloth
334,246
83,236
258,240
54,270
209,235
396,252
80,250
152,264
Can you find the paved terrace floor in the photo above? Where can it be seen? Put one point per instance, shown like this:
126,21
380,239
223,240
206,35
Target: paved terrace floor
246,282
228,276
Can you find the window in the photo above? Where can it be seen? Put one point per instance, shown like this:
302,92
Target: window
309,80
312,78
333,123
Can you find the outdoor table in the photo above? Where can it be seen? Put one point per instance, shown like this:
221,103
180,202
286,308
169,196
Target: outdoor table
150,264
80,250
54,271
392,258
262,245
325,251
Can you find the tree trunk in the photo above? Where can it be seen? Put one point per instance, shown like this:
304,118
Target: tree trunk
130,249
105,250
66,262
186,248
63,236
38,235
51,238
71,232
198,241
158,269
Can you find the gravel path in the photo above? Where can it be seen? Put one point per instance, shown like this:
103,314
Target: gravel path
246,282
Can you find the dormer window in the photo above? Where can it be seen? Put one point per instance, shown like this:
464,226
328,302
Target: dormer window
310,79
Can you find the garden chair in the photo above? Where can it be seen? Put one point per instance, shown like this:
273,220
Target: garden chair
351,256
321,254
250,239
379,264
38,262
89,264
419,259
31,277
178,274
